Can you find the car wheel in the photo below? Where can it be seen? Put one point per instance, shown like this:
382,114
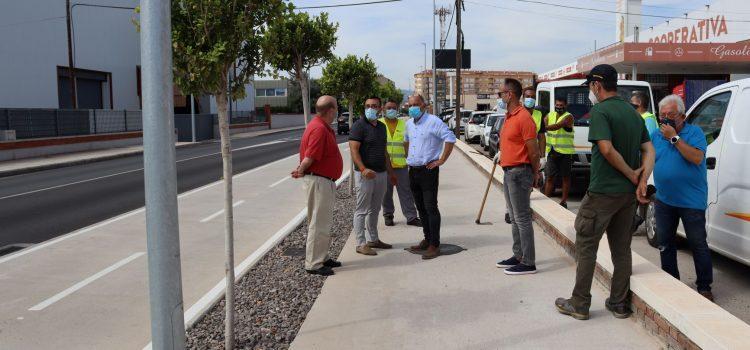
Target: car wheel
651,225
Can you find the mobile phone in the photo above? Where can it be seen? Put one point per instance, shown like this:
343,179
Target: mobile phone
650,191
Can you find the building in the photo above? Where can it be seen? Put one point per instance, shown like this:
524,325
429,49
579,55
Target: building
478,88
686,56
274,93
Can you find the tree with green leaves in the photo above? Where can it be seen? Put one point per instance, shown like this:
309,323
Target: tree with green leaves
210,38
297,42
353,79
388,91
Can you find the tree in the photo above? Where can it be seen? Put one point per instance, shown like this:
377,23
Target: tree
210,37
353,79
297,42
388,91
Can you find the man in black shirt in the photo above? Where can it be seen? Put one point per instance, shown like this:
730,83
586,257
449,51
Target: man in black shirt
367,143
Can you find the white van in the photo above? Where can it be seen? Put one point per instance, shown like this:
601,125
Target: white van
722,114
579,105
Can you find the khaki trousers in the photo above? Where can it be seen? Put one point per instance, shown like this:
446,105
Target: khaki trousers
321,193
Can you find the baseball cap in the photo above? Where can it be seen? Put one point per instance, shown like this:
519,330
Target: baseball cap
602,72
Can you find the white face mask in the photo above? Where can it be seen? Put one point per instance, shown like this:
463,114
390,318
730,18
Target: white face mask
593,98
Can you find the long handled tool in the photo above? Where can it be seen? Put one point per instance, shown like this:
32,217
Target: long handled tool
486,191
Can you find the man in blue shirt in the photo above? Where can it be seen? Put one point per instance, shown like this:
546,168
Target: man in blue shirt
428,143
680,177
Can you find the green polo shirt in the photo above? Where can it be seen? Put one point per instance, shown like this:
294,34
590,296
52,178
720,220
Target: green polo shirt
615,120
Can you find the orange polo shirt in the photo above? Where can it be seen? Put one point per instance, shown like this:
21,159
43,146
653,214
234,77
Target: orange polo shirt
518,128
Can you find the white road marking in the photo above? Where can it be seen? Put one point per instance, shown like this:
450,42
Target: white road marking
214,215
57,297
280,181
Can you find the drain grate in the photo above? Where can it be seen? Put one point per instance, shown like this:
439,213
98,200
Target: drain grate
12,248
294,252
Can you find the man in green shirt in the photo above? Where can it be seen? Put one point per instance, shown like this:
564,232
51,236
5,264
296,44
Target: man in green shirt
622,161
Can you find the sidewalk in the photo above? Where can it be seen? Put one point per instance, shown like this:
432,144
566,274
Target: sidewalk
22,166
398,301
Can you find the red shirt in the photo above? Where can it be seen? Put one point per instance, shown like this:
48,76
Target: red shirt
319,144
518,128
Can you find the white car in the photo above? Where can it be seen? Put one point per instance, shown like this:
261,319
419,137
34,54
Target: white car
464,120
475,127
484,139
722,115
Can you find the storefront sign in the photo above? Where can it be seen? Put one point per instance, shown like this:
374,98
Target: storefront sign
706,52
704,30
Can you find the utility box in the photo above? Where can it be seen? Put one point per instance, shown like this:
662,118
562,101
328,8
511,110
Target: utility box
7,135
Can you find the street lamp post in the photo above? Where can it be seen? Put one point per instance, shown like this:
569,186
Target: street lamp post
425,68
434,70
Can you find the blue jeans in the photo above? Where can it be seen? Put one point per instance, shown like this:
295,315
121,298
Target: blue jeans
694,222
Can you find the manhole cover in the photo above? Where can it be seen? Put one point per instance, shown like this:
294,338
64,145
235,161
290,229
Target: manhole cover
445,249
294,252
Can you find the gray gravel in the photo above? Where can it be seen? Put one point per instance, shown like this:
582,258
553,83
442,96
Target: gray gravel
274,297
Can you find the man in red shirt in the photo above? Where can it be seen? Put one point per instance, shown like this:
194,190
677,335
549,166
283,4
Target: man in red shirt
519,158
320,165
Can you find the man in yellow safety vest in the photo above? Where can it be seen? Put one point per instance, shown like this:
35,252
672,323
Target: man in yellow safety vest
529,102
640,102
396,128
560,149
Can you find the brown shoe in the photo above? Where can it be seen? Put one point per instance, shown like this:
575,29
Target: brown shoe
379,244
708,295
421,246
432,253
365,250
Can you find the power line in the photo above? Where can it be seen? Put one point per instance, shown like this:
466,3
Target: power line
619,12
346,5
556,16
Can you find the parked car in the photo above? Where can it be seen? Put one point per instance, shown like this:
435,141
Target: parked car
484,139
465,114
495,135
722,115
579,106
342,123
475,127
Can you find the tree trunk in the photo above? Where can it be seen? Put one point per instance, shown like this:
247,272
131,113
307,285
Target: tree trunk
303,86
226,156
351,173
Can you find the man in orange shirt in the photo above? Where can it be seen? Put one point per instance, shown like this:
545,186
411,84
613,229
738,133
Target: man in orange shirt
519,158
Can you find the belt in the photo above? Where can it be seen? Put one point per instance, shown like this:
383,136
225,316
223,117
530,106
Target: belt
318,175
506,168
421,166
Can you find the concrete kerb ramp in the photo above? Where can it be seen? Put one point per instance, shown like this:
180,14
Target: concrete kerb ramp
666,307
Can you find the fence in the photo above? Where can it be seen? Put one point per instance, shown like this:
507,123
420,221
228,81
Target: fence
32,123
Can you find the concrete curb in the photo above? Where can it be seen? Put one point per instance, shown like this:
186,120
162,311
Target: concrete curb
36,168
666,307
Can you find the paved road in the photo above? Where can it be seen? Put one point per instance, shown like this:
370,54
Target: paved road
39,206
731,285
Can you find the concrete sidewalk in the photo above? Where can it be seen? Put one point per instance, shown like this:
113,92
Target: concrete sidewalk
398,301
27,165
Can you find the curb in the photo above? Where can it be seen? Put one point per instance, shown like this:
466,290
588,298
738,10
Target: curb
32,169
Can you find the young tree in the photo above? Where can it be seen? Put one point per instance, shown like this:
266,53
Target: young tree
353,79
388,91
297,42
210,37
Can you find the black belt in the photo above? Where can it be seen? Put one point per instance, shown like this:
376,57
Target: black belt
506,168
318,175
421,166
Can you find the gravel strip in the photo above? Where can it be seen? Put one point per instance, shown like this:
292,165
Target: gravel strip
272,300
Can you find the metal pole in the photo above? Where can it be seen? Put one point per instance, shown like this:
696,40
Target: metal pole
435,108
635,65
160,174
71,68
459,49
192,115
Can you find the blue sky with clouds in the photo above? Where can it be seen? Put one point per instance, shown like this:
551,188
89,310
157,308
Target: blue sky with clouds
502,34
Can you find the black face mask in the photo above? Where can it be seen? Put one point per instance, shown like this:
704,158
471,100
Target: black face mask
634,105
668,121
560,110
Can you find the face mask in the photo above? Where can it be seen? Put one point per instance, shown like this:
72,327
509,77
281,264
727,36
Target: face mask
415,111
391,113
668,121
501,104
593,98
371,114
529,102
559,110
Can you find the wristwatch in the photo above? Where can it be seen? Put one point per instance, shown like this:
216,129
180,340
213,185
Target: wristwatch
674,139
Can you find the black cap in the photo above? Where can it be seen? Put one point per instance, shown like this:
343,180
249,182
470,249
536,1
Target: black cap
602,72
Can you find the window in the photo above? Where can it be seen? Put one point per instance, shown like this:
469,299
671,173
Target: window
260,92
579,103
544,99
280,92
93,89
709,115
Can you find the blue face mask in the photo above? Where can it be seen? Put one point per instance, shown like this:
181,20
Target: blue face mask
529,102
371,114
501,104
415,111
391,113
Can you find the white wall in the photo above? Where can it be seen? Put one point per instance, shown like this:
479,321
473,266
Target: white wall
245,104
33,42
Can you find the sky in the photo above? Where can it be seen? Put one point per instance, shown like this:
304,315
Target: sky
502,34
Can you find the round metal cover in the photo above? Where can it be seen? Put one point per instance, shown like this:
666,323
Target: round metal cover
445,249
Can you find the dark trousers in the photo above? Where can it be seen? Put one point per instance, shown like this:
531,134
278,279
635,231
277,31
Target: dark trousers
424,187
601,212
694,222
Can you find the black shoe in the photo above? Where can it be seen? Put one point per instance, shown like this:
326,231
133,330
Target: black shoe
620,310
520,269
564,205
323,271
332,263
415,222
507,218
566,308
512,261
637,221
389,221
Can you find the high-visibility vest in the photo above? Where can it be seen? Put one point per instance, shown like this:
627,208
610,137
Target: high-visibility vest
395,145
537,116
648,115
562,141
